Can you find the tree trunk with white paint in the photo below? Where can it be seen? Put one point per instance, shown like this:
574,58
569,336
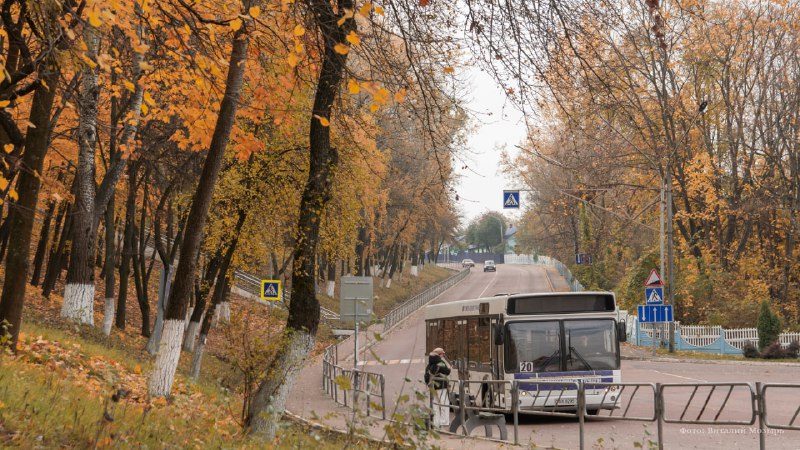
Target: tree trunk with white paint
197,357
220,296
166,365
164,288
169,352
127,253
225,312
191,334
274,390
110,303
330,289
108,315
78,303
414,262
268,403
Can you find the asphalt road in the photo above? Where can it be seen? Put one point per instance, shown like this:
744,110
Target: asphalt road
403,358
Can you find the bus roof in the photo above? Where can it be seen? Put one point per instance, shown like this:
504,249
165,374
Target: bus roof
538,303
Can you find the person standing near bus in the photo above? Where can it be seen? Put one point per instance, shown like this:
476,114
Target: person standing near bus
436,370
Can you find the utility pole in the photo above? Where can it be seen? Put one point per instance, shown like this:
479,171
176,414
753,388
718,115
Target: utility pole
670,283
670,261
663,208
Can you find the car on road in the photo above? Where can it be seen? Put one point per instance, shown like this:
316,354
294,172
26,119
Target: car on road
467,263
489,266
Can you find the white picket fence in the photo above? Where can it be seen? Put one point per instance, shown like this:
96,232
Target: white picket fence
703,335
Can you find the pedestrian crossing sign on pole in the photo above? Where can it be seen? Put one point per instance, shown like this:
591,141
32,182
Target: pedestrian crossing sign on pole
270,290
510,199
654,295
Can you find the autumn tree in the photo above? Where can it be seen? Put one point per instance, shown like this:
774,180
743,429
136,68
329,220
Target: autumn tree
169,351
36,37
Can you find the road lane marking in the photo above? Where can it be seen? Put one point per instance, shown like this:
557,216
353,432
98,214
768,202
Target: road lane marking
679,376
488,285
392,362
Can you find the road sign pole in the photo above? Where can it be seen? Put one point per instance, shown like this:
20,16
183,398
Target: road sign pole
670,262
653,328
355,343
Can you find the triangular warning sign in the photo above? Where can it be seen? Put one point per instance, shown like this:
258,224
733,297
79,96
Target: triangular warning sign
511,201
654,279
270,291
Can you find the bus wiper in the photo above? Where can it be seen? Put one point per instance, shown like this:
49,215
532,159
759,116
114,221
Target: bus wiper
550,359
585,363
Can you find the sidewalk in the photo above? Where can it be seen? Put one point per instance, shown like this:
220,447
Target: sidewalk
633,352
309,402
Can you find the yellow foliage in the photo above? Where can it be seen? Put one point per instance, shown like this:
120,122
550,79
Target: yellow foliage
341,49
353,38
352,86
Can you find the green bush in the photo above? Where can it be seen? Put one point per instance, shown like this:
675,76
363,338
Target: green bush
773,351
769,326
793,350
750,351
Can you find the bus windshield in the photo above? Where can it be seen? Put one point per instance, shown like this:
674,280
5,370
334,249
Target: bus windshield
561,345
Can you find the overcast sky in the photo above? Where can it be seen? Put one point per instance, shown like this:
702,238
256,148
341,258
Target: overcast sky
497,124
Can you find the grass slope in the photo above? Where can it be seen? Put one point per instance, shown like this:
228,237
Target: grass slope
72,387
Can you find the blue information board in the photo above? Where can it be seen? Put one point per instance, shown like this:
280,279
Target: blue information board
655,313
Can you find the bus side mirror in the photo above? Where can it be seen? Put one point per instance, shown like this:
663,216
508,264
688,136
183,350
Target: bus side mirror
498,334
622,331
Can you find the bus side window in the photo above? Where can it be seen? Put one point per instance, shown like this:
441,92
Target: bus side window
449,340
433,337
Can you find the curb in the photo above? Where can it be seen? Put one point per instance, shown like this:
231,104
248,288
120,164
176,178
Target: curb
710,361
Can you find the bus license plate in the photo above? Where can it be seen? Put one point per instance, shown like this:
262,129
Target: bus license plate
565,401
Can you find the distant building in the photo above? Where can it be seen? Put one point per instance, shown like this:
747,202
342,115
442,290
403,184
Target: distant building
510,239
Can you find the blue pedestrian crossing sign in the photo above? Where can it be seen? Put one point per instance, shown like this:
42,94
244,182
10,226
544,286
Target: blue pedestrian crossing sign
654,295
510,199
655,313
270,290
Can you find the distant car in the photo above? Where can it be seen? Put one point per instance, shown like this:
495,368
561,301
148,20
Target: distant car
467,263
489,265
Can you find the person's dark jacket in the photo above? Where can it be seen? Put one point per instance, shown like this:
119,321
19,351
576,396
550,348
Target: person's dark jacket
436,368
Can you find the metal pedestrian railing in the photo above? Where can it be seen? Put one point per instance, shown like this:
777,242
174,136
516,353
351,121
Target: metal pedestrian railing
541,260
409,306
345,386
769,406
353,388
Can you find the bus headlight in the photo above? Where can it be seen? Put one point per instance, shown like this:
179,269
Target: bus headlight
523,393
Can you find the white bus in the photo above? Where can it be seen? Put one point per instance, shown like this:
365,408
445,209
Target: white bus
558,337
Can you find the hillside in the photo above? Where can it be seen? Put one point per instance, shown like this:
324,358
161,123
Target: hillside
69,386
